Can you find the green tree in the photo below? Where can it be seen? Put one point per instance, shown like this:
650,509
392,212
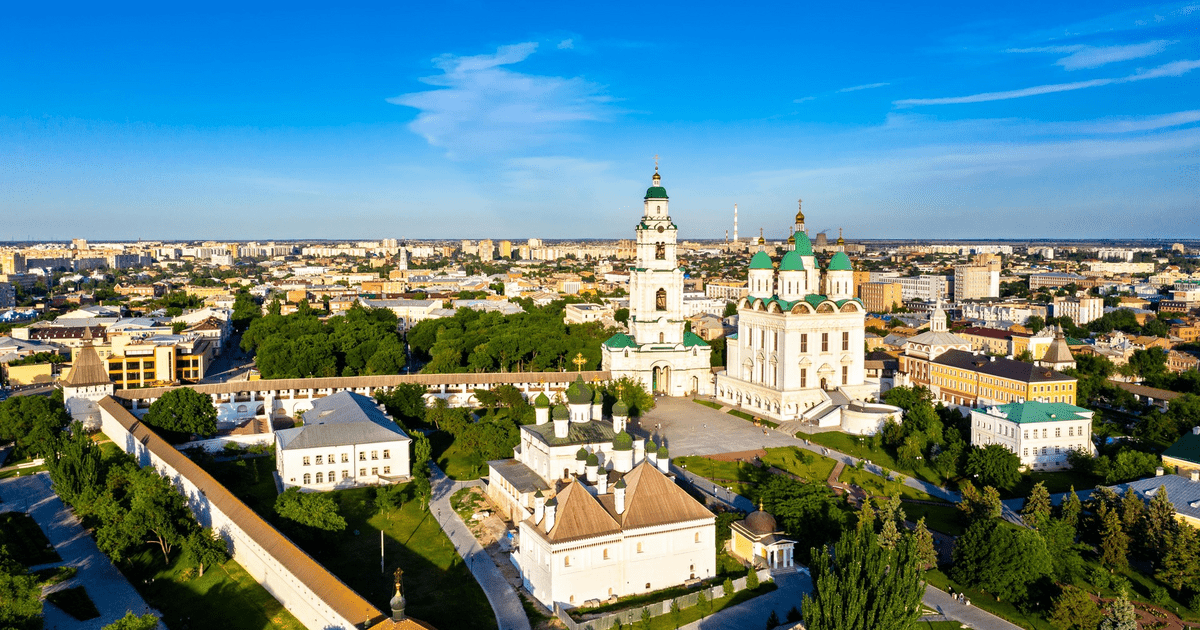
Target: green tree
1074,610
999,559
157,512
245,311
20,596
33,423
772,620
311,509
1065,558
1037,506
1114,542
133,622
404,402
751,578
1120,615
976,505
676,613
183,410
1070,509
702,603
861,585
645,618
926,553
994,465
1160,526
76,469
203,548
1179,564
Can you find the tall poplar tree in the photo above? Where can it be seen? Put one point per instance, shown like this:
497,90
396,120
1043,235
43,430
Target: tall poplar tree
863,585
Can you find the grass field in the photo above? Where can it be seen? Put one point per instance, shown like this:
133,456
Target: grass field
24,539
457,464
225,597
74,602
877,486
942,518
744,477
856,447
688,615
804,464
707,403
1057,482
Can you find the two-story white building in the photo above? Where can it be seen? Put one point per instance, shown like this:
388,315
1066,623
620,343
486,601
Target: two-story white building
1040,433
345,441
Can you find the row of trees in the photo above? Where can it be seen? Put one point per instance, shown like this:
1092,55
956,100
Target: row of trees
300,345
33,423
534,341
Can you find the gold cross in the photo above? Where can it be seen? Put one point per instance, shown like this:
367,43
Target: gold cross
579,361
620,390
655,162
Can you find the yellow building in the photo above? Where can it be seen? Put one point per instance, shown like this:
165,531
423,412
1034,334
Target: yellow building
965,378
146,361
758,541
29,374
880,297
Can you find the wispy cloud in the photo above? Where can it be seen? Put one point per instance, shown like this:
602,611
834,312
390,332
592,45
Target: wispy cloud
566,44
805,99
868,86
1142,123
1081,56
1173,69
483,107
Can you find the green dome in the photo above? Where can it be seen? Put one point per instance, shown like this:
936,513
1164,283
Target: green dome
622,442
656,192
560,413
598,398
620,408
791,262
652,447
760,261
803,245
582,454
620,484
541,402
662,451
592,460
579,393
840,262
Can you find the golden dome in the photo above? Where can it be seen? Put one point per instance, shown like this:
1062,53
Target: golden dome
799,211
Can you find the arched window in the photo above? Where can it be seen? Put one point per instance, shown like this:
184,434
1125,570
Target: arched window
307,479
660,251
660,300
320,478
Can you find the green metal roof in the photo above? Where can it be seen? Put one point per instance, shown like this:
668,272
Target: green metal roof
656,192
803,245
791,262
761,261
620,340
579,393
622,442
1186,448
577,433
560,413
692,339
541,402
840,262
1034,411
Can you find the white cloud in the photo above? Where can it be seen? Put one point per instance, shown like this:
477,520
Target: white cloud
483,107
1173,69
869,86
805,99
566,44
1081,56
1141,123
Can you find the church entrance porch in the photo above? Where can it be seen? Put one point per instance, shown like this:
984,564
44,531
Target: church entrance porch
661,380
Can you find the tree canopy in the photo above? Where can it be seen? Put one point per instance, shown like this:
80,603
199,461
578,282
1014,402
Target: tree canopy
994,465
33,423
300,345
183,410
310,509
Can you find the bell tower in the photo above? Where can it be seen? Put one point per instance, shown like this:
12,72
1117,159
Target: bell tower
656,283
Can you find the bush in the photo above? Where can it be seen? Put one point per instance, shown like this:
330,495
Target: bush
1160,596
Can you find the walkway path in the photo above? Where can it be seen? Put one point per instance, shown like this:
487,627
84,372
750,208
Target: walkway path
112,594
966,614
506,604
693,429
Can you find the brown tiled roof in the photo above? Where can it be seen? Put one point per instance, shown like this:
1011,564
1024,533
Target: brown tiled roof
87,370
1148,392
211,323
653,499
994,333
482,379
341,598
580,515
1058,352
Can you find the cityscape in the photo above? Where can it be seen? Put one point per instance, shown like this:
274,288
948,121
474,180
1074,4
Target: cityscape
549,330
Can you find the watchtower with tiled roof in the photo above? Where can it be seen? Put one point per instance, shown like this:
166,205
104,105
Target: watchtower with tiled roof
86,383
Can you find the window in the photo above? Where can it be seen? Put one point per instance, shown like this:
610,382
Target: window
845,341
387,470
1044,433
803,342
362,472
387,453
307,478
824,342
845,375
374,471
319,460
567,563
1057,431
320,478
606,554
374,454
697,536
345,458
1045,450
660,251
1070,431
803,378
332,458
1025,452
1057,450
306,462
362,456
639,547
345,474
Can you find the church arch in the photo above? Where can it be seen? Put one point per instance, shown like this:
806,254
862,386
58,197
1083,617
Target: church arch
825,307
660,300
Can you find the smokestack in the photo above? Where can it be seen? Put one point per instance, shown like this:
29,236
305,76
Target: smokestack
735,223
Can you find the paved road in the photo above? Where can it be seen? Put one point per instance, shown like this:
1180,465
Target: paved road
754,613
506,604
109,590
694,429
967,615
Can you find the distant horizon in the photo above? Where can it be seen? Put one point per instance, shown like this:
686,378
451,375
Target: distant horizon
1064,121
522,240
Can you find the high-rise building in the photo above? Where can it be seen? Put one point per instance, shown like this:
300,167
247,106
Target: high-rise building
657,351
1080,310
976,281
506,249
881,297
486,250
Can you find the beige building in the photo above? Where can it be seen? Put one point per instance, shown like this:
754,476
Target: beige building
1080,310
881,297
976,281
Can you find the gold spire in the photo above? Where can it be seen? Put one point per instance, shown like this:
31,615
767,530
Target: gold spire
840,240
799,211
761,240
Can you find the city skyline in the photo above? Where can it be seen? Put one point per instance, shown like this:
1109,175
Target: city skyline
1025,121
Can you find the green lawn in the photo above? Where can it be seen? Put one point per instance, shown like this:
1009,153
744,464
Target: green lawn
857,447
745,416
942,518
686,615
707,403
74,602
1057,482
439,587
451,458
22,471
877,486
744,477
938,625
24,539
225,597
802,463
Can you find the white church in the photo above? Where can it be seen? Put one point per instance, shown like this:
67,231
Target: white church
799,348
657,350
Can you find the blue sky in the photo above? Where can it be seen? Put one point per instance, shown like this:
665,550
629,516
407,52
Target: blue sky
480,119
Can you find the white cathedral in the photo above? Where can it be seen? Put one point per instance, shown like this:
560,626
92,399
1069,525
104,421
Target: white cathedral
657,350
799,349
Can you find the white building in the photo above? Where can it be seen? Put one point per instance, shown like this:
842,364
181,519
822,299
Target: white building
657,351
597,514
1080,310
798,352
924,288
585,313
345,441
1041,434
